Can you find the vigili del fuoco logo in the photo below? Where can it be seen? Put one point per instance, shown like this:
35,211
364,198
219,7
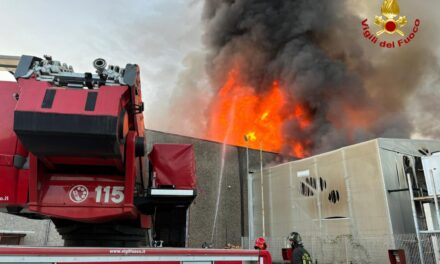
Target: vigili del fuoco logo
391,23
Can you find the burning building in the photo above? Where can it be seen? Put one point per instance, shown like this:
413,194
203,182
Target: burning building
296,76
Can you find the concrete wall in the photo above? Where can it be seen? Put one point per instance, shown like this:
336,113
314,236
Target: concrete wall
230,226
38,232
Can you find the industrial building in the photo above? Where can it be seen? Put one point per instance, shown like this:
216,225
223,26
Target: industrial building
353,204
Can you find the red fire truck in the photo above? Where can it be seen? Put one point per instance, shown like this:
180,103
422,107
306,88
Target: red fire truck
73,149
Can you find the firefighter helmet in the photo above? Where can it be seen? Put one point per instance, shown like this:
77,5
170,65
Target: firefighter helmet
295,238
260,243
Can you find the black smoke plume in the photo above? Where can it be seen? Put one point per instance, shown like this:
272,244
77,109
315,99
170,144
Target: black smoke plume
315,49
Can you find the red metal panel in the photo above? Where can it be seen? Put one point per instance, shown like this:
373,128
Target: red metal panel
88,198
8,139
11,190
69,101
6,160
84,198
33,180
57,192
13,186
22,188
174,165
8,183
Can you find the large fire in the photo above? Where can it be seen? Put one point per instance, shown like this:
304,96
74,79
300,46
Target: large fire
240,116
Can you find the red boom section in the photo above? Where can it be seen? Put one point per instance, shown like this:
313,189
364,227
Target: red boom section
13,179
82,146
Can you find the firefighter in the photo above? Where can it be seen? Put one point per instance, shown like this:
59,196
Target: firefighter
260,243
299,253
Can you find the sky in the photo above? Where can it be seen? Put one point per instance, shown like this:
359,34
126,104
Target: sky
156,34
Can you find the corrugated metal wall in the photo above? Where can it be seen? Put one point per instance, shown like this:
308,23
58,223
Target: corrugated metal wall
340,202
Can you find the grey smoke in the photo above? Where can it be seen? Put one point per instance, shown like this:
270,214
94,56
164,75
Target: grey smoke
315,48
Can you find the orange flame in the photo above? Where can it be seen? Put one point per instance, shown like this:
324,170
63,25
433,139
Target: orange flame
240,116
